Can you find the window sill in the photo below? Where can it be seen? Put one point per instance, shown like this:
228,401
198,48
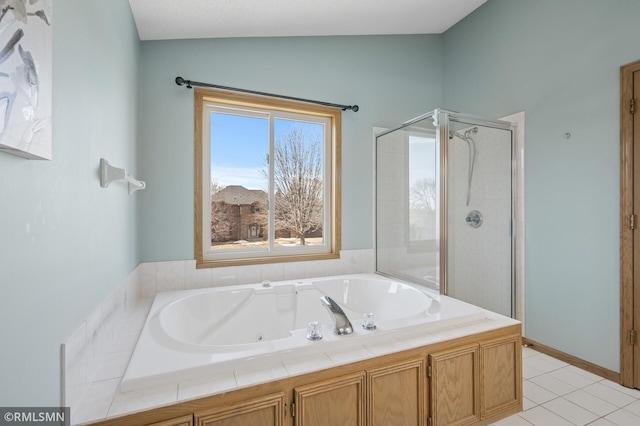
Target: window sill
210,263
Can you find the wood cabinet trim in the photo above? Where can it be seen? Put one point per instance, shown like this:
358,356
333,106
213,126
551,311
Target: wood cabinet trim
275,401
178,421
442,390
419,365
510,402
304,394
286,385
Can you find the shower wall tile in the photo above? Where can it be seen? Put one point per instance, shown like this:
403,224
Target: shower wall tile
351,261
293,270
264,373
194,388
225,276
479,257
112,366
368,261
83,353
319,269
307,363
143,399
74,367
95,342
97,400
249,274
197,278
273,272
120,306
170,275
146,280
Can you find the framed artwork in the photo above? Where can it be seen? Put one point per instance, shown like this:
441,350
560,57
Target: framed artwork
25,78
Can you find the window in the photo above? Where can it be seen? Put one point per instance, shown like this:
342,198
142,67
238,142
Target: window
267,180
423,193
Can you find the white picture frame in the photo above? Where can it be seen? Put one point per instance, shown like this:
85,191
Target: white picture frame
26,78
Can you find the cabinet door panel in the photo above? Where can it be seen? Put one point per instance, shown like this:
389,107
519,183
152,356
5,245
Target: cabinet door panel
396,395
500,375
179,421
454,386
336,402
268,411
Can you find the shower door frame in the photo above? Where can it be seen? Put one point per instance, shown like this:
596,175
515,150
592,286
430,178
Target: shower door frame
444,117
441,119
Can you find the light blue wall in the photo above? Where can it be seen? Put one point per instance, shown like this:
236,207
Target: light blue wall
66,243
391,78
559,62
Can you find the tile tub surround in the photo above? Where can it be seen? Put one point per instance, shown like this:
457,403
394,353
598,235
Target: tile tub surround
103,400
193,344
95,356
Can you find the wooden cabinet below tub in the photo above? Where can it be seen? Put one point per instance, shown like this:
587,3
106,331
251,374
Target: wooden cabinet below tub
475,379
455,397
500,375
475,382
267,411
336,401
179,421
396,394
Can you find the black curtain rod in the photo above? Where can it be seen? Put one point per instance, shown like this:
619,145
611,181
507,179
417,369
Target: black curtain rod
189,85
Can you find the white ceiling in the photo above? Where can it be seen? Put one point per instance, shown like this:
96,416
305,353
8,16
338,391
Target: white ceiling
179,19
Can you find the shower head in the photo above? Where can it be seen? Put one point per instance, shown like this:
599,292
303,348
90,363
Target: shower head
453,133
472,154
466,136
472,130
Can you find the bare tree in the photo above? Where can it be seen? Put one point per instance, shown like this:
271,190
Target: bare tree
423,195
298,182
215,187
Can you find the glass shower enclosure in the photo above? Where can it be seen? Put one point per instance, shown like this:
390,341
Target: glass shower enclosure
444,207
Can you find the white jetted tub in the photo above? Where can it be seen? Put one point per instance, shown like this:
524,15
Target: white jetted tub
195,333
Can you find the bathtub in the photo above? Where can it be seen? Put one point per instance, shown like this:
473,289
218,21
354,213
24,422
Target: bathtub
195,333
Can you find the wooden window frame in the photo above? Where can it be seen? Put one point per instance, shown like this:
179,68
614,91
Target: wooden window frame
203,96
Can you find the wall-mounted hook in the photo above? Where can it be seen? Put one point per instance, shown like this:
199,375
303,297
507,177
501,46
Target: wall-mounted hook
108,174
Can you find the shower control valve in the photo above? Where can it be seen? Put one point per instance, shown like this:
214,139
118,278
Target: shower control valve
474,218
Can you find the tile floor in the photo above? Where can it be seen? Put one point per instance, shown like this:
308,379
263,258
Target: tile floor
558,394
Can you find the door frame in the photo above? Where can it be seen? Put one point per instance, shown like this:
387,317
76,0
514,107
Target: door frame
627,338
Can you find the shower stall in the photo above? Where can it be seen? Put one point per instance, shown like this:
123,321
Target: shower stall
444,207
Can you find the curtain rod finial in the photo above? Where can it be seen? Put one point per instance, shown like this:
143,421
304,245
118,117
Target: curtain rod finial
181,82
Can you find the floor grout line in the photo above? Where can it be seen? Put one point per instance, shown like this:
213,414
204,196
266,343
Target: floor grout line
587,380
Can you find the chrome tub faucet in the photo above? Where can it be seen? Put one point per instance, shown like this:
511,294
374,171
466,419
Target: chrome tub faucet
341,324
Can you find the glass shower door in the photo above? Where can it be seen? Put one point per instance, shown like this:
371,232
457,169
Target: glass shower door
407,194
479,216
